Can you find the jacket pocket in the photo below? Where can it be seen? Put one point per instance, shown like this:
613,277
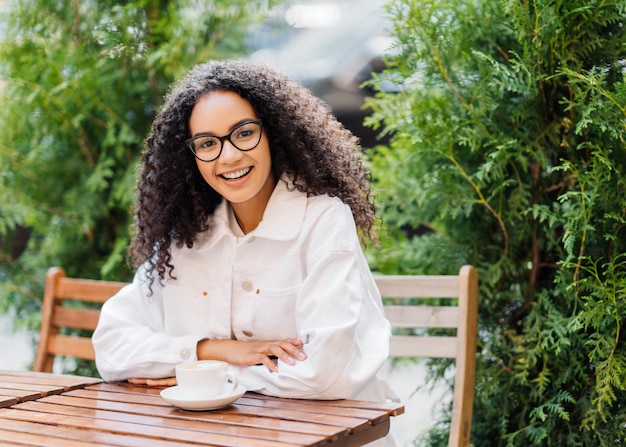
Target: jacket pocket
275,312
184,310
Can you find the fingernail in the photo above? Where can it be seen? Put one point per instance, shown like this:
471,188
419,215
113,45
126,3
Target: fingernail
301,355
291,361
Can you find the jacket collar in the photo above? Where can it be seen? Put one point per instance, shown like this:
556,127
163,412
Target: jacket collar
282,219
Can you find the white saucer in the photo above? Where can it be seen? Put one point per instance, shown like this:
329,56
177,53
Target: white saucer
174,397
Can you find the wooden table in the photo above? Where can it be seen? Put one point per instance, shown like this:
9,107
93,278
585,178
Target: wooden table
60,410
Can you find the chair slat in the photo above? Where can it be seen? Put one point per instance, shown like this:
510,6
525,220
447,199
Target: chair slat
56,315
90,290
75,318
404,286
463,317
79,347
423,316
462,348
415,346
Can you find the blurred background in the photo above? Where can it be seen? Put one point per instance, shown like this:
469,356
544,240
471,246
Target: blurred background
508,144
332,47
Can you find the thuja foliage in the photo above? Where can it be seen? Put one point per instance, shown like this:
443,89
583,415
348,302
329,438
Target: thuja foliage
508,125
82,80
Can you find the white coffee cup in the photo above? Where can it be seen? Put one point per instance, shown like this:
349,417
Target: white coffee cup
205,379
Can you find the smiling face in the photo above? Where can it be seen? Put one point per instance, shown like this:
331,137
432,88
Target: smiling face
243,178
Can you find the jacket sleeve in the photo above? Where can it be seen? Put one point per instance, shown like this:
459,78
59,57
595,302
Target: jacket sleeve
340,318
130,340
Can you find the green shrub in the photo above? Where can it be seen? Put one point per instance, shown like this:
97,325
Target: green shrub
507,122
82,81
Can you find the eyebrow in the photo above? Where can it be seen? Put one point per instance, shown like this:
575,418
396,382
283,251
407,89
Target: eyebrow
231,128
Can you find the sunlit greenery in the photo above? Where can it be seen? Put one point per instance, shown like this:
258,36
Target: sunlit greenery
82,80
508,152
507,124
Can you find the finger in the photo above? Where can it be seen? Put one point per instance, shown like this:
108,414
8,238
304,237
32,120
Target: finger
294,351
271,364
289,353
274,352
168,381
297,342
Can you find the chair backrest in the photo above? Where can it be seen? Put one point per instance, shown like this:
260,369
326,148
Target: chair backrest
462,316
62,302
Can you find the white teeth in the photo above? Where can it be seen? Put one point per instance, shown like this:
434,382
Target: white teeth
236,174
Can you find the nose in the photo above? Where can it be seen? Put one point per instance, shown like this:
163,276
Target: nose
229,152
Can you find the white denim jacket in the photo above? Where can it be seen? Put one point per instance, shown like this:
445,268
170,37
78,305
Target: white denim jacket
300,273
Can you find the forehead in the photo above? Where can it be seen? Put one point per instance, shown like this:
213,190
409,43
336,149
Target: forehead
219,112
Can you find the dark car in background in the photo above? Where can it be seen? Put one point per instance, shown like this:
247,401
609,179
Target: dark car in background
331,47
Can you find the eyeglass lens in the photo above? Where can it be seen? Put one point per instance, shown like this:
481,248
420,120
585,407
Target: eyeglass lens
244,137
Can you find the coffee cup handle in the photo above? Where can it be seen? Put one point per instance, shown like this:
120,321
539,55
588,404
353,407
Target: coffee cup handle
232,378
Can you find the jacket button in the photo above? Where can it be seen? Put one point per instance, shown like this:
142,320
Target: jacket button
247,333
247,286
185,353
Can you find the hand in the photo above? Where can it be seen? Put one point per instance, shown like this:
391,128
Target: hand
248,353
168,381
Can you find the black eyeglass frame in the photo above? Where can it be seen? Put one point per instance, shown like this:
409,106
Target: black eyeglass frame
190,145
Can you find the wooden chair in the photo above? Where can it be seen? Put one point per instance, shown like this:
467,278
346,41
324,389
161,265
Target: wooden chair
57,314
463,317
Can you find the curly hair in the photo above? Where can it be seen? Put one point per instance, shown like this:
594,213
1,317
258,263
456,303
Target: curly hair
307,144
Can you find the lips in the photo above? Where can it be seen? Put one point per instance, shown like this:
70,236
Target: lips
234,175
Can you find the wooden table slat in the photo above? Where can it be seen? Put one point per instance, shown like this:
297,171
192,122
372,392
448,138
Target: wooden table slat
87,398
90,437
61,410
125,387
294,414
22,394
143,427
392,408
245,406
29,387
63,381
317,408
36,439
21,386
7,401
207,427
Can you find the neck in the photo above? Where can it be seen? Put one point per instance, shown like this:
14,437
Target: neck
250,213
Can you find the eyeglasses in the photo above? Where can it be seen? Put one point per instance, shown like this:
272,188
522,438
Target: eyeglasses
244,137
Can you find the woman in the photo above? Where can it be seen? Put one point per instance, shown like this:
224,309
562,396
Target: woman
250,203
